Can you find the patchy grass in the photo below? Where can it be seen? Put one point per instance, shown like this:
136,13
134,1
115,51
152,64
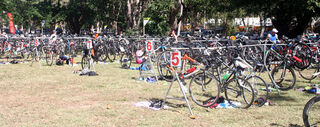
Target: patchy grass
54,96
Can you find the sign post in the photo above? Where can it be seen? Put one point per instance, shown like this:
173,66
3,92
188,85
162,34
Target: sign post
145,21
42,25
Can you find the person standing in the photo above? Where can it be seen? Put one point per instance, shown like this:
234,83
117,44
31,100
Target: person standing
273,36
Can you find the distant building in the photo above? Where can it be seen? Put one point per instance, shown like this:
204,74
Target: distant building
251,21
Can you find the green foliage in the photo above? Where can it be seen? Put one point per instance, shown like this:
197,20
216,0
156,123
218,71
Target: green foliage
290,16
159,15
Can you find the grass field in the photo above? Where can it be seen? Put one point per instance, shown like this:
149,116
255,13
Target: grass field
54,96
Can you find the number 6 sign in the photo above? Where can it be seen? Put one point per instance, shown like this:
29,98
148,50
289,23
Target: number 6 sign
89,44
149,46
175,59
36,43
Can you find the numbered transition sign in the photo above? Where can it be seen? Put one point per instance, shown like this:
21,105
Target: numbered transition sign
149,46
175,60
89,44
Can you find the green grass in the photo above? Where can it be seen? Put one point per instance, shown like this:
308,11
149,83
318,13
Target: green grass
54,96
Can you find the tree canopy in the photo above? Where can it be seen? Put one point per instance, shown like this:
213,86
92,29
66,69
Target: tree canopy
290,17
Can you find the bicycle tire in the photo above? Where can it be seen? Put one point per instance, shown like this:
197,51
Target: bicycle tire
126,60
306,111
303,52
163,70
101,52
49,58
233,100
314,69
201,95
85,62
111,54
280,81
261,88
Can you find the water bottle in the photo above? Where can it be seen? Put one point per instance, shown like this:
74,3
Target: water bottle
225,76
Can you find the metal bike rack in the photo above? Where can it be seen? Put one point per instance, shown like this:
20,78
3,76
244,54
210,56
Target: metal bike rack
176,77
150,71
34,58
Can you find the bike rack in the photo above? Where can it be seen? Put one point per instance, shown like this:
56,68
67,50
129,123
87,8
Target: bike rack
181,89
150,71
34,58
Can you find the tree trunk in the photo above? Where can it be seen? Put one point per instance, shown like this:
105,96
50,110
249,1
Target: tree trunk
193,25
226,26
244,24
262,24
181,14
129,14
140,16
75,24
173,20
135,14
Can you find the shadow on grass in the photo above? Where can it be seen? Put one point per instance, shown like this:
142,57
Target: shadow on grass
277,98
304,81
290,125
168,103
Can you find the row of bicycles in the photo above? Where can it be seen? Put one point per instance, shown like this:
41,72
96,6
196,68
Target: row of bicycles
212,67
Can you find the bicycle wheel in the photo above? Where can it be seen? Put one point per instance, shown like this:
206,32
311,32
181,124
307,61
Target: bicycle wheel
311,112
285,78
303,52
204,94
260,87
307,74
239,93
111,54
126,60
101,53
85,62
49,58
162,62
252,55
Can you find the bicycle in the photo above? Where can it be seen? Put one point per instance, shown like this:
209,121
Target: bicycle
88,56
285,60
238,91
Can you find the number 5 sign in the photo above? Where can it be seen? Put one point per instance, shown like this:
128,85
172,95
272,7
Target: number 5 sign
175,59
149,46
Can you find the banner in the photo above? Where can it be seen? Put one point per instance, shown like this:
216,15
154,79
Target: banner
11,25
